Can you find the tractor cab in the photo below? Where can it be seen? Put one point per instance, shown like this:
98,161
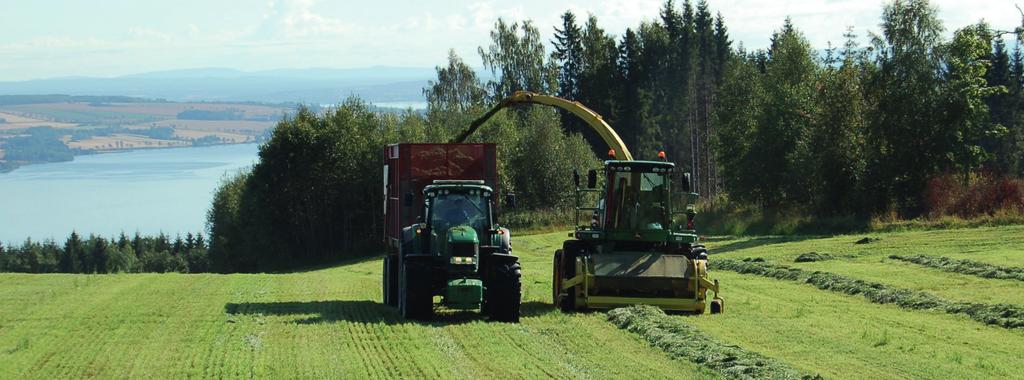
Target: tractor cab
458,217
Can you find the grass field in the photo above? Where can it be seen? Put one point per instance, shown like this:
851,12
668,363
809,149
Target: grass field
329,322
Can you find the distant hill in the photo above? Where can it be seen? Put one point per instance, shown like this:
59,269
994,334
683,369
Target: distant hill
314,85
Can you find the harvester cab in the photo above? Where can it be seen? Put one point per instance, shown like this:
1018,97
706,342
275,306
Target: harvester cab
635,249
444,239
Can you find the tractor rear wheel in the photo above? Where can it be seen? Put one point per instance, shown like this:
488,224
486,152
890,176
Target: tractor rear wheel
414,298
504,293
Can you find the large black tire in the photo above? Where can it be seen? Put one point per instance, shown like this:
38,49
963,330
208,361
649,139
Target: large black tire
390,280
504,293
414,299
556,278
566,270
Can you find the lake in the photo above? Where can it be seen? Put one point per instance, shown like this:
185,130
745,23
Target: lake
149,191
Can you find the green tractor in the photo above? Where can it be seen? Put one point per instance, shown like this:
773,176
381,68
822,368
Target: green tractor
634,249
442,232
458,253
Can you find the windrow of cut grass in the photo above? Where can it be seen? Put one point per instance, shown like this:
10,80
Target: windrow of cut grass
968,267
1004,315
684,341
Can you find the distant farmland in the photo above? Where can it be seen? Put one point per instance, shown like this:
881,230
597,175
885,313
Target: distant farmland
96,126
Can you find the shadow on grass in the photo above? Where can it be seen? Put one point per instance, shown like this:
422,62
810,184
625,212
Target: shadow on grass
328,265
363,311
758,242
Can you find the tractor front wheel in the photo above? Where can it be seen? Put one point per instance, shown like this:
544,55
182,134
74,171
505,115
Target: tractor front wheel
504,293
414,298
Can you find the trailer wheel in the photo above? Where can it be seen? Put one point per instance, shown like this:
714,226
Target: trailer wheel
390,280
504,293
415,301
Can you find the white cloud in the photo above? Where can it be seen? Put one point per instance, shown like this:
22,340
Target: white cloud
297,19
303,33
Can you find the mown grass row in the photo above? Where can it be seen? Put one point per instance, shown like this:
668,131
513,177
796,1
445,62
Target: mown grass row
968,267
683,341
1004,315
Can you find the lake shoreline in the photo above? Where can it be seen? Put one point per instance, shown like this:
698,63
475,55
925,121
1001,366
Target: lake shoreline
19,164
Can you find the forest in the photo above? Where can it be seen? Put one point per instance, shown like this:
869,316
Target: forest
96,254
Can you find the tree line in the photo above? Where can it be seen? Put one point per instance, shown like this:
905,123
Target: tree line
856,130
96,254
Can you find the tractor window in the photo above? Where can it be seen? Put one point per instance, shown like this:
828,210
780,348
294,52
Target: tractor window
456,209
637,201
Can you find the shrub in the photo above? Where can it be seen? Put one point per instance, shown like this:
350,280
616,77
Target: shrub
978,195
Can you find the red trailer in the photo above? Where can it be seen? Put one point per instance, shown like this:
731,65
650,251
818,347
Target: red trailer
408,168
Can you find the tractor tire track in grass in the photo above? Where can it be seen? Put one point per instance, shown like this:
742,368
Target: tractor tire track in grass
1004,315
683,341
968,267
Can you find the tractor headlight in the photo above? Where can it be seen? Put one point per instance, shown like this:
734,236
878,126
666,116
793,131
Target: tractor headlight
463,260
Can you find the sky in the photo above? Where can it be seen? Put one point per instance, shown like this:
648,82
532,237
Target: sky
59,38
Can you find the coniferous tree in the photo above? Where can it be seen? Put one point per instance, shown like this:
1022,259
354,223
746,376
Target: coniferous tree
200,241
122,241
1015,130
1003,108
178,248
568,44
628,122
190,241
599,81
69,257
837,135
137,244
